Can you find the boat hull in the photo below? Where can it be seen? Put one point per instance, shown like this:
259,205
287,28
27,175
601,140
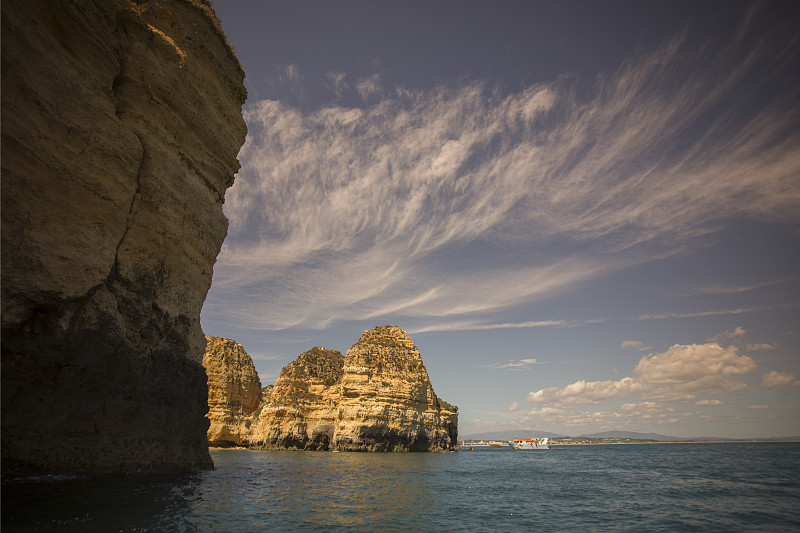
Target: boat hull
529,444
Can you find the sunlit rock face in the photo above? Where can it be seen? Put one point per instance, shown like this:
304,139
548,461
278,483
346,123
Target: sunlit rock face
234,391
378,398
121,125
301,409
387,400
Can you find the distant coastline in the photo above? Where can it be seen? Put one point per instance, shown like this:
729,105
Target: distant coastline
590,441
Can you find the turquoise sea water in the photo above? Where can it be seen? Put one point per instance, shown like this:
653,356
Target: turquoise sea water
653,487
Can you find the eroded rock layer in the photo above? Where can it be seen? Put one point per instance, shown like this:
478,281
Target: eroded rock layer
378,398
121,125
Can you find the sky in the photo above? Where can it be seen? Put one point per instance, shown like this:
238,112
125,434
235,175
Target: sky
585,214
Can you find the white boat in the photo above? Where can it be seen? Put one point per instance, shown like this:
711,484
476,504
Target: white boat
530,444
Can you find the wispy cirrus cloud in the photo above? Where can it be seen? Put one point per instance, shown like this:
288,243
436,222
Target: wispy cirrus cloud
463,199
718,312
732,288
478,325
520,364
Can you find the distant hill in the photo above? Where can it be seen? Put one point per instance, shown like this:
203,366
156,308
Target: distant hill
510,434
630,435
646,436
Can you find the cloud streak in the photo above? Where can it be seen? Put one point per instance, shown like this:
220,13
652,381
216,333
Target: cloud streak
464,200
737,288
718,312
521,364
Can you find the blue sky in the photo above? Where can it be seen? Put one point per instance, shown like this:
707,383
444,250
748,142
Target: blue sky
585,214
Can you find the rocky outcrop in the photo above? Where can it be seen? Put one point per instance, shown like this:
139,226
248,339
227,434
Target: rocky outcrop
378,398
121,125
387,400
234,391
301,409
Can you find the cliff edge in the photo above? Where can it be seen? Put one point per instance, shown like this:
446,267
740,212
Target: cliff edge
121,122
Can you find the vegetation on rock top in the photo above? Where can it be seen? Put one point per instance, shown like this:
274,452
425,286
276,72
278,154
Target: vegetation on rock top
318,363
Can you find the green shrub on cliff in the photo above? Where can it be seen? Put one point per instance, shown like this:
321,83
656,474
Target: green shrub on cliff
448,406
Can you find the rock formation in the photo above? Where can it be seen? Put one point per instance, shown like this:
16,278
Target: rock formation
121,125
234,391
378,398
302,407
387,400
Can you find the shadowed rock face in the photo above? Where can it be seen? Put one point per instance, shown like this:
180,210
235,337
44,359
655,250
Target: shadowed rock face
121,125
378,398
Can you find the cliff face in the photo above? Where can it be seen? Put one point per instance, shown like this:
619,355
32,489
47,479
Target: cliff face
121,125
234,390
378,398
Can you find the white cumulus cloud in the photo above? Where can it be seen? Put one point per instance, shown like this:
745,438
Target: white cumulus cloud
631,344
709,402
756,346
586,392
681,373
773,379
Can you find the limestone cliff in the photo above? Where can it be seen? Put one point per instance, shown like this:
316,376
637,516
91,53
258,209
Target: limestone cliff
121,122
234,390
388,403
302,407
378,398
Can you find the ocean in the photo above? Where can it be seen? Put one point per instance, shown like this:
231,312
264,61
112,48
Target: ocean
647,487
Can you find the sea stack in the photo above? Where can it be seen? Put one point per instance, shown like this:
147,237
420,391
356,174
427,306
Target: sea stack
377,398
300,411
234,391
121,125
387,400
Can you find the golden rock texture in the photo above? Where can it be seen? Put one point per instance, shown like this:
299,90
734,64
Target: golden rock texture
121,125
301,409
387,400
234,390
378,398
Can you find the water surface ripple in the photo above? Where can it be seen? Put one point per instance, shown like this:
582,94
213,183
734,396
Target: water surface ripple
653,487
